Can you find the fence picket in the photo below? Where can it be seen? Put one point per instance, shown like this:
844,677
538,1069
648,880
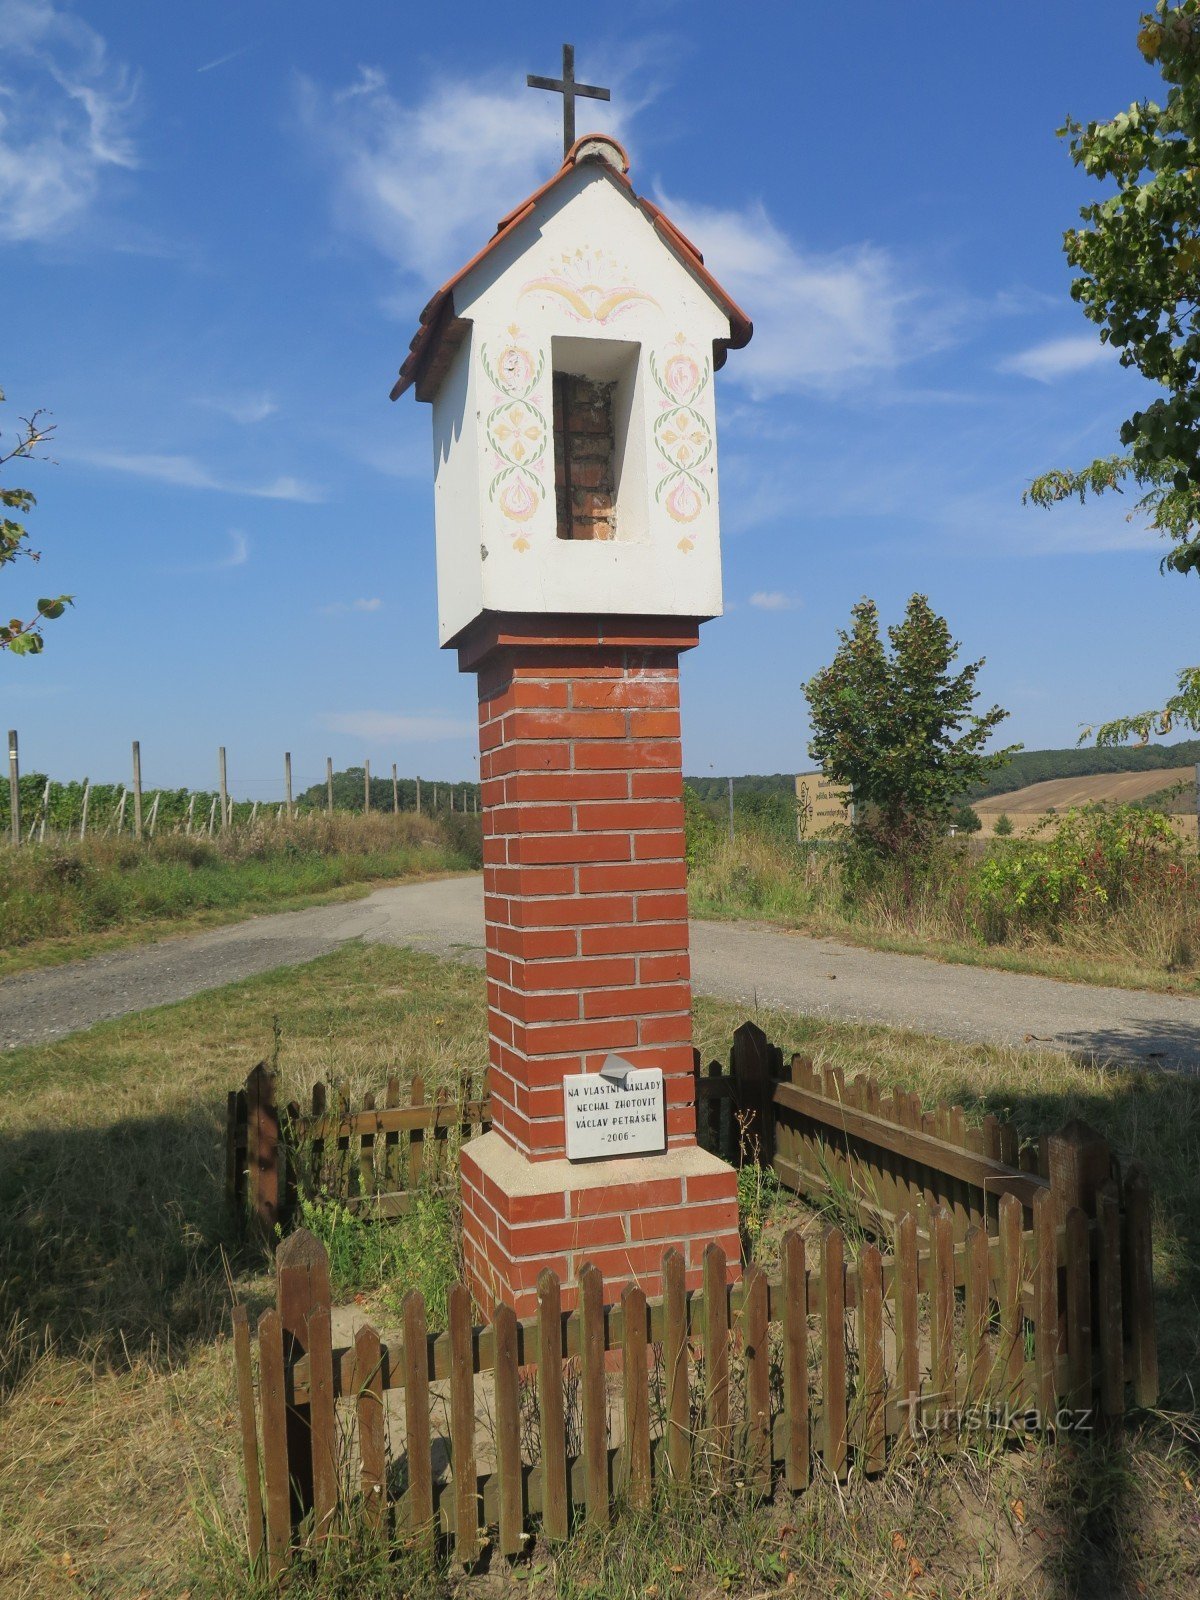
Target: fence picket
757,1354
418,1442
795,1362
274,1429
978,1313
246,1420
1137,1252
416,1136
872,1439
372,1433
716,1364
908,1331
366,1152
508,1431
1112,1336
941,1308
595,1404
389,1165
833,1350
1012,1322
462,1426
636,1454
323,1423
1079,1309
675,1359
555,1502
1045,1302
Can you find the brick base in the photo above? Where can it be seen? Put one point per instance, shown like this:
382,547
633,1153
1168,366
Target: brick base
520,1216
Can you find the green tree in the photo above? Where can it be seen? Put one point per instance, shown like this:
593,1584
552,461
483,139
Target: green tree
1138,261
966,819
898,728
1004,827
21,636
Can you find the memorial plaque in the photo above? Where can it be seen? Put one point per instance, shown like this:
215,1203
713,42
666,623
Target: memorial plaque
617,1111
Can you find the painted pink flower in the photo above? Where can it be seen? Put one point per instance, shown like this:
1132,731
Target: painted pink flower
518,500
681,375
683,503
516,366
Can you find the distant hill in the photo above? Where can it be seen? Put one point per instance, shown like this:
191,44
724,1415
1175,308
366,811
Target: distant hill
1111,788
1039,766
1026,768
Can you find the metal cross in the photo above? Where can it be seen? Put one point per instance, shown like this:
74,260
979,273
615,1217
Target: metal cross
569,89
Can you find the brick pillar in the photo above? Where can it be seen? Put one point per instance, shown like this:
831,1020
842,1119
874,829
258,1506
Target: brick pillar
587,952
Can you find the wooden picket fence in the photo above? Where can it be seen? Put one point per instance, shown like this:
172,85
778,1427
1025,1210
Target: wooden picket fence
372,1160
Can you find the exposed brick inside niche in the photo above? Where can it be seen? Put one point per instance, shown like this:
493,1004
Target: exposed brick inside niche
584,447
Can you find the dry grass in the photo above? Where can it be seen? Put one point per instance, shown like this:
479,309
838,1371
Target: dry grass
118,1460
65,899
1150,944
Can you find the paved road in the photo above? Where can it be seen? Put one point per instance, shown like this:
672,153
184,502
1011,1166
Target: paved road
734,961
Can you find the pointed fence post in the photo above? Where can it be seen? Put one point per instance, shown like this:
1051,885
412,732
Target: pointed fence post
302,1293
262,1148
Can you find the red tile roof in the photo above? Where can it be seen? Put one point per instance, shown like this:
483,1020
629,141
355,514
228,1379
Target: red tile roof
441,332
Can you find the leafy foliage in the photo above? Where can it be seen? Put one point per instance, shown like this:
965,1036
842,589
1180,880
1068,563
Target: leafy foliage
1078,867
23,637
1138,261
898,728
349,793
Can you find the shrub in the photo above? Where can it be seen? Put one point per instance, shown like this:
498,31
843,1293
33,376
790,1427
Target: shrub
1004,827
1076,867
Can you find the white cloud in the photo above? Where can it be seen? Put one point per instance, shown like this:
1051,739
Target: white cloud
239,550
426,181
338,608
823,322
185,472
1058,358
65,115
241,408
774,600
220,61
381,725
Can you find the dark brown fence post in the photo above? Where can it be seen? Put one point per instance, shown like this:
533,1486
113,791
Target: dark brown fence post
302,1291
750,1062
1137,1254
262,1148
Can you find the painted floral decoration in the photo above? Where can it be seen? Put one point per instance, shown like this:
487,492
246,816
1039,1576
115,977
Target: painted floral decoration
590,285
682,435
517,431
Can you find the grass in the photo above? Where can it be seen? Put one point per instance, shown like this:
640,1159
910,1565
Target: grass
1152,943
118,1447
69,899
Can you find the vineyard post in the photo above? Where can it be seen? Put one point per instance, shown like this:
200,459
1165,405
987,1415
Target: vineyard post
366,785
435,797
14,786
154,812
212,816
44,813
731,810
121,810
329,784
137,789
87,794
191,812
419,792
287,779
253,812
224,789
395,791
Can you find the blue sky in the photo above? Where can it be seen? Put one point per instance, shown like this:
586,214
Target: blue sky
218,225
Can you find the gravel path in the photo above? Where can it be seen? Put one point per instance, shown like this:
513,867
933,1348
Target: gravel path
742,962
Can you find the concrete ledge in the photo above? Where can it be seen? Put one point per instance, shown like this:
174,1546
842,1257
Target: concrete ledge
516,1174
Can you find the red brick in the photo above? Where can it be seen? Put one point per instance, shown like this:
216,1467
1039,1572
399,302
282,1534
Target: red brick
524,787
665,785
654,724
536,1207
627,815
683,1222
669,846
573,912
562,1007
530,819
619,941
664,969
630,691
624,1262
635,878
533,943
566,725
584,974
534,756
712,1186
666,1030
617,1198
661,907
577,1233
626,754
574,847
632,1002
525,880
610,1034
